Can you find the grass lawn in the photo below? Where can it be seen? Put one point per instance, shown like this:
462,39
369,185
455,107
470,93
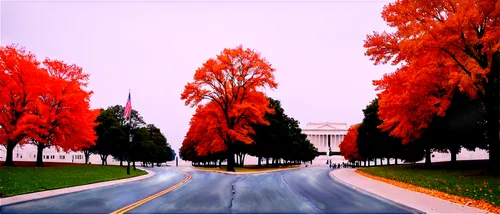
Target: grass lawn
27,179
245,169
467,178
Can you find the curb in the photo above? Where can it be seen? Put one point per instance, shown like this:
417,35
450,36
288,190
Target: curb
386,200
244,173
425,191
55,192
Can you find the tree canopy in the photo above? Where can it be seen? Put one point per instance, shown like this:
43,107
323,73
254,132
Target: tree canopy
230,84
45,104
280,139
440,46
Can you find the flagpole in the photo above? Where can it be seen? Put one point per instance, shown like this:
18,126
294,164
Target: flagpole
130,123
129,134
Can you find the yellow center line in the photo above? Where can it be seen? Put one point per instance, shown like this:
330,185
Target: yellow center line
143,201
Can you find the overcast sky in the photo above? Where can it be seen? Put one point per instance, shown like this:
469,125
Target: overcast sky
154,48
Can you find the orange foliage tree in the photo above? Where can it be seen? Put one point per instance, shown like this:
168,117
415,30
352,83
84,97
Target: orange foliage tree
21,84
348,146
62,115
230,85
46,106
203,141
441,45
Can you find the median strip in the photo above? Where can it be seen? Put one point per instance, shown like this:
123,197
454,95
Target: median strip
145,200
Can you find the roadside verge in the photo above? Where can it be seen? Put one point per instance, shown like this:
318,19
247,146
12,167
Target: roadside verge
416,200
49,193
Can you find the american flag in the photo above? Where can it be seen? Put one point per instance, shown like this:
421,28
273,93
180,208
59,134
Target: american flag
128,107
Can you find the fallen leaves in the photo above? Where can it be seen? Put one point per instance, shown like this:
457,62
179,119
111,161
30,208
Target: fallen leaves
481,204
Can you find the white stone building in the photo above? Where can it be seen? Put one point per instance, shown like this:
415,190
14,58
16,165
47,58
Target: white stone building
28,153
326,135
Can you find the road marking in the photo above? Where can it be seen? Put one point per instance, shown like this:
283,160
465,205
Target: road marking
163,192
300,195
373,195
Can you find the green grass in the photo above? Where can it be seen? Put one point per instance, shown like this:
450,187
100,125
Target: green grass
468,179
22,180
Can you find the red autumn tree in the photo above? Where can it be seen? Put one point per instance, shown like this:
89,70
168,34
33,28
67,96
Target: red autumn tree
441,45
21,84
206,132
62,116
231,84
348,146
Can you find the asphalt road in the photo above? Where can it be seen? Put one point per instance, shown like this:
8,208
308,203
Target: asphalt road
100,200
307,190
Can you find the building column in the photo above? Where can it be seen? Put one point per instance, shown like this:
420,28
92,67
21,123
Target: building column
317,141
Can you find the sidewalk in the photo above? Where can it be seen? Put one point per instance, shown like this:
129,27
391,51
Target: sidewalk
406,197
49,193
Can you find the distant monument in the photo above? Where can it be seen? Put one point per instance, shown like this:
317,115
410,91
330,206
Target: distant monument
326,135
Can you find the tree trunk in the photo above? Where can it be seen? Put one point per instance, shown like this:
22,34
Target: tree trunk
121,162
375,161
134,165
220,163
87,156
267,162
388,161
453,157
230,160
395,161
258,162
243,160
10,151
494,148
128,167
104,159
493,137
39,154
428,156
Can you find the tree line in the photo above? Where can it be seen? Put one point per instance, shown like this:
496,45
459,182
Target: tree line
43,103
148,144
231,109
462,126
46,104
280,142
445,93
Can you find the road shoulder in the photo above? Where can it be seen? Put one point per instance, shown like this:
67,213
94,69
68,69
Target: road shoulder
416,200
50,193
